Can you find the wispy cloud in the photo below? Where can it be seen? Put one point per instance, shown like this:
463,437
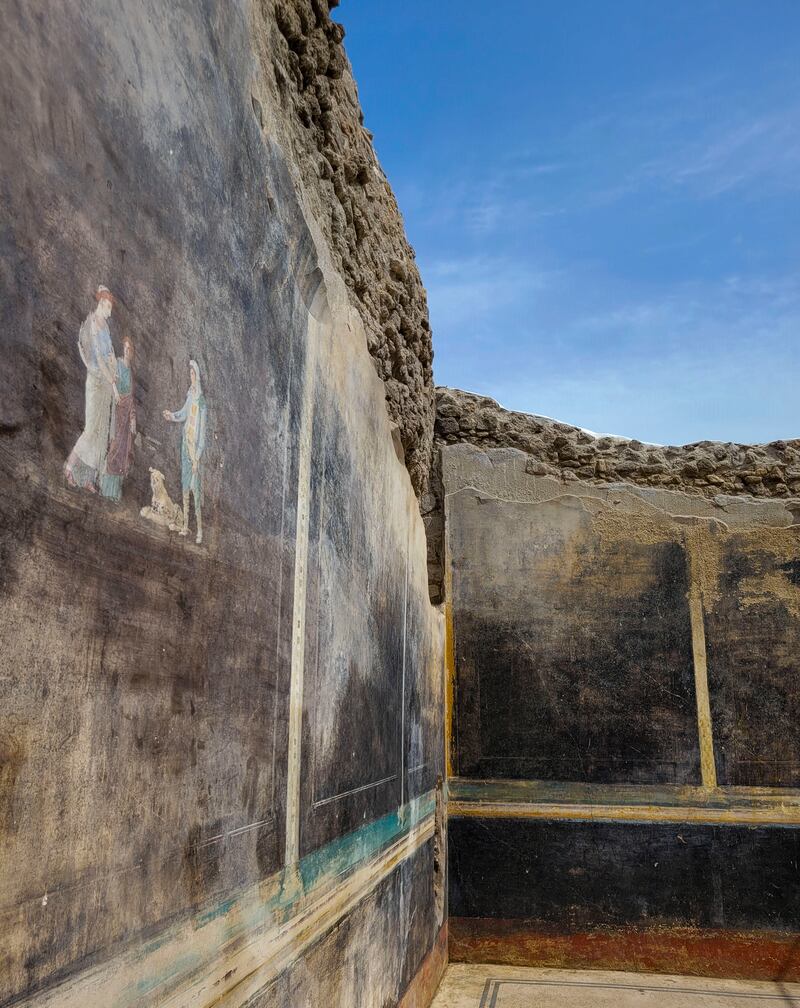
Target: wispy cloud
715,361
475,290
733,155
674,142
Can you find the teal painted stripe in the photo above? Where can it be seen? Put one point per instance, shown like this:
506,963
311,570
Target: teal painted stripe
323,866
344,854
216,911
317,869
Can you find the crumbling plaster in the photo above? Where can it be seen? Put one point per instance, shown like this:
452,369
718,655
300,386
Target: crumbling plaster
319,119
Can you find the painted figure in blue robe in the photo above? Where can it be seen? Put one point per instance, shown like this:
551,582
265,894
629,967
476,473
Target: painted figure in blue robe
194,417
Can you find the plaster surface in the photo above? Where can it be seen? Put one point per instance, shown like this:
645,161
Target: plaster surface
623,670
221,684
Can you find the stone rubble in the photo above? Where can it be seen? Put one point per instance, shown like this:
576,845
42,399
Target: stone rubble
708,468
558,449
357,211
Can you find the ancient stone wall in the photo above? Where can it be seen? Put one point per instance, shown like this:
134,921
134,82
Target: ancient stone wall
706,468
624,681
310,83
570,453
220,672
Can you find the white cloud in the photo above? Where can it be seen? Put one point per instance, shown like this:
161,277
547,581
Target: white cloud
703,361
478,289
763,150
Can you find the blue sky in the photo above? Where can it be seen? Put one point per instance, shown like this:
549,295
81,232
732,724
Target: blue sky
604,200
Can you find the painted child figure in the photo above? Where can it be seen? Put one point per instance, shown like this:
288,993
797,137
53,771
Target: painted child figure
194,416
123,428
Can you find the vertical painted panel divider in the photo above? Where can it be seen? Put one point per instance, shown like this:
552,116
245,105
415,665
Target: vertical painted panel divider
292,848
449,653
708,769
403,684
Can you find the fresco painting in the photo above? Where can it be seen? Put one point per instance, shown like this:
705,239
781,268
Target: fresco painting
85,466
553,683
106,449
162,510
123,427
150,516
588,621
194,417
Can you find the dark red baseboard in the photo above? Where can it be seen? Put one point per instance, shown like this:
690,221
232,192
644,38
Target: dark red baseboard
422,988
740,955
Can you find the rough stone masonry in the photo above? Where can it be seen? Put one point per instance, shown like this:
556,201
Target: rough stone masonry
708,468
322,122
324,127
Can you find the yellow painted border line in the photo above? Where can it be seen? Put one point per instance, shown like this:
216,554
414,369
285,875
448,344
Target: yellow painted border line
228,971
449,689
705,734
776,815
449,652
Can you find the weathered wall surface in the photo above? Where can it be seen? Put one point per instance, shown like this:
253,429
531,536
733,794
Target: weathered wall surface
215,745
557,449
624,669
752,629
705,469
555,680
308,80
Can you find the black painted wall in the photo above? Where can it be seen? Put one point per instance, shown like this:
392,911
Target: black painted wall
573,647
574,876
753,639
576,614
145,677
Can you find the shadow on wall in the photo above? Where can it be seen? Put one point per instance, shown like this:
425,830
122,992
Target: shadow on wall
623,725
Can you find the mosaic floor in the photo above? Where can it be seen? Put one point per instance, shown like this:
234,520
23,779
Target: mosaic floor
509,987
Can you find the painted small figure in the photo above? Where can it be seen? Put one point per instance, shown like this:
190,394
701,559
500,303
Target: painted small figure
87,458
123,428
194,417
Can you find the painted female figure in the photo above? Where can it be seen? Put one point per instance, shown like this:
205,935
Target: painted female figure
194,416
87,458
123,428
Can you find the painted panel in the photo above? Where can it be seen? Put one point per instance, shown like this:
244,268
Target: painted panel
158,274
355,634
753,637
573,646
423,757
373,670
569,876
151,362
